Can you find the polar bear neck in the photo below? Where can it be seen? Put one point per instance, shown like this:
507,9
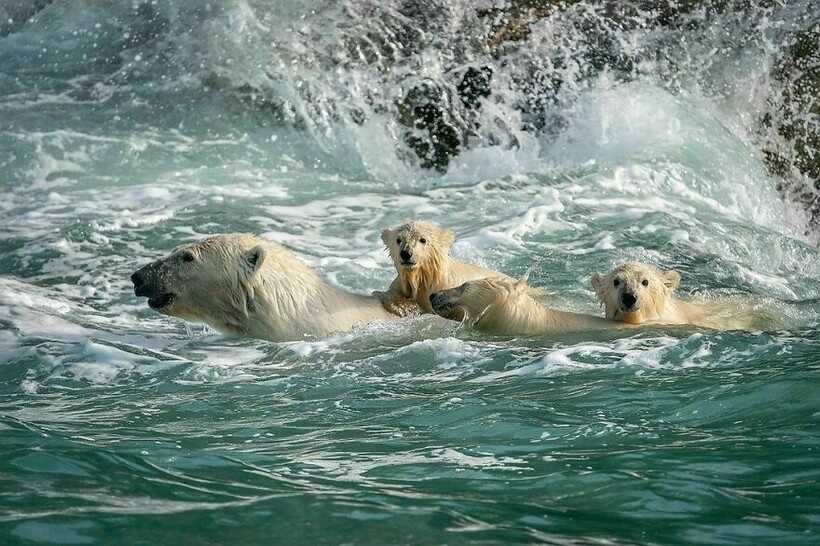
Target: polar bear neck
297,304
440,271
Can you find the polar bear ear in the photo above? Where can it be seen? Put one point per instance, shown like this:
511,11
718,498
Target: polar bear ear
256,257
448,237
597,282
387,236
671,279
521,286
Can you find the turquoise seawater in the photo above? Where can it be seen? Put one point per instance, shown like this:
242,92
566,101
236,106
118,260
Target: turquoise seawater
128,128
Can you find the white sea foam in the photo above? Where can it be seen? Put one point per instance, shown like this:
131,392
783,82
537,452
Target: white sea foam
491,163
644,353
448,352
616,124
357,468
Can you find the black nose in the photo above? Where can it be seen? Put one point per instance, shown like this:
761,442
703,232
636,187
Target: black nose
137,278
437,301
628,299
141,280
405,255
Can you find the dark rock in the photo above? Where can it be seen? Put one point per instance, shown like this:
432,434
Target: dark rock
439,120
475,85
793,118
434,134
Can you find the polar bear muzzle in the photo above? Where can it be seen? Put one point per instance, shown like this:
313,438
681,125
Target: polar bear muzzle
445,303
148,282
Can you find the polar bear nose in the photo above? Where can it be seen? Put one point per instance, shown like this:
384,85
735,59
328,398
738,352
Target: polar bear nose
438,302
405,254
628,299
141,281
137,278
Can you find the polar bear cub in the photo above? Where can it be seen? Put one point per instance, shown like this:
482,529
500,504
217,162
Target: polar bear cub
639,293
420,251
636,293
508,307
240,284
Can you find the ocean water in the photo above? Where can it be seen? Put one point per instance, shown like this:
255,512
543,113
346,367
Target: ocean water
127,128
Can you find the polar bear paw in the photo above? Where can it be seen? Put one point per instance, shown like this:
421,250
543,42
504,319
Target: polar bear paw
400,306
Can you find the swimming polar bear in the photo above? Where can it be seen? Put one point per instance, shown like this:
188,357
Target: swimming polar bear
500,305
243,285
639,293
420,251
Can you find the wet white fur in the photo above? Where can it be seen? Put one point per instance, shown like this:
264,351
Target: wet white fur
241,284
656,304
435,270
504,306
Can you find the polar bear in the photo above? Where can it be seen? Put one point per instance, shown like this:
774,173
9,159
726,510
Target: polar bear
243,285
639,293
504,306
420,251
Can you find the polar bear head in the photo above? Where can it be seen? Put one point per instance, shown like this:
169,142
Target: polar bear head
497,304
418,245
222,280
635,292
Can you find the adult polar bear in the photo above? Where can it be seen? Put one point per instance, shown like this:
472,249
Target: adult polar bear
243,285
420,251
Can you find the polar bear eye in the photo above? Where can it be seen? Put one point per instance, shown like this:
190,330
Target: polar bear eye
645,282
187,256
617,282
422,240
398,241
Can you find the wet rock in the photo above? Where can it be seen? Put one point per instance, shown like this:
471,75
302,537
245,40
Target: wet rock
793,118
475,85
511,21
439,119
433,132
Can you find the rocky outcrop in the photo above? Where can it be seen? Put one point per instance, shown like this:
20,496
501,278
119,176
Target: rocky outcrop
792,150
438,119
452,75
